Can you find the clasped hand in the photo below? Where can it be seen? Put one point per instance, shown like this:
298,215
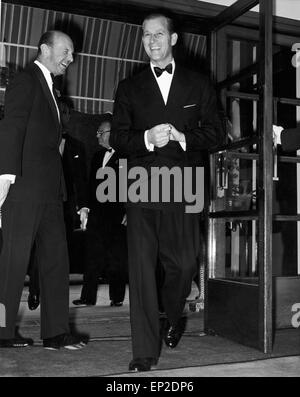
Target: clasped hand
161,134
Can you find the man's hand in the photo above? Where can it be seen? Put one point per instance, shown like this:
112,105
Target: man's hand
83,214
159,135
277,134
175,135
4,188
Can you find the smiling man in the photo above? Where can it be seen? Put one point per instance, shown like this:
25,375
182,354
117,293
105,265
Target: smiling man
31,193
164,117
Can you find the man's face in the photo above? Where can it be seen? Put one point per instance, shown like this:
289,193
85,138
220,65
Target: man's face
158,41
59,55
103,134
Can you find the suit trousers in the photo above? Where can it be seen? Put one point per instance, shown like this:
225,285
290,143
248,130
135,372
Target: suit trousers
23,224
172,239
106,256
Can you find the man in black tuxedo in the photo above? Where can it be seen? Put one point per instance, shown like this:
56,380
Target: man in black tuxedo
163,117
106,247
31,192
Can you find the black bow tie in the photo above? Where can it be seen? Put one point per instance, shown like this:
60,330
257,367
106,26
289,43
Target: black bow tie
158,71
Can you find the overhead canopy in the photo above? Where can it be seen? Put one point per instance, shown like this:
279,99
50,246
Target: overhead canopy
107,50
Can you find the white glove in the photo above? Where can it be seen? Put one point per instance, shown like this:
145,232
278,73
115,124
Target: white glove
277,134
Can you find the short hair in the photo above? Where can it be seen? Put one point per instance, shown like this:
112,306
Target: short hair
46,38
162,14
106,118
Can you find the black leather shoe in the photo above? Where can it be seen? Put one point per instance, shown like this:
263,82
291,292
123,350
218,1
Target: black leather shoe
66,341
82,302
174,333
33,301
114,303
16,342
142,364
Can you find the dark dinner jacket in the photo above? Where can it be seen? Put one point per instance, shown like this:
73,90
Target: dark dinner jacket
29,139
75,175
107,211
191,108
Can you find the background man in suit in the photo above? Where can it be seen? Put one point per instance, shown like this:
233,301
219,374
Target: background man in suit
106,247
161,118
31,191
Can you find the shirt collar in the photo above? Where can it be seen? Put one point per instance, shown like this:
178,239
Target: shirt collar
45,72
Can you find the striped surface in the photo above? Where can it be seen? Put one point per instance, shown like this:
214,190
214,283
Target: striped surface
108,51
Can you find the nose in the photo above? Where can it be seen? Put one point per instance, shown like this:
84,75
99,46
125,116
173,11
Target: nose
152,38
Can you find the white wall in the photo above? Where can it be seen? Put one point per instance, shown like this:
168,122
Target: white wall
283,8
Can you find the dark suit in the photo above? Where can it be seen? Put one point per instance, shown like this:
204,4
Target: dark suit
162,230
75,169
290,139
30,134
106,248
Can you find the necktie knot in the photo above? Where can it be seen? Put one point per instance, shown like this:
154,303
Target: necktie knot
159,71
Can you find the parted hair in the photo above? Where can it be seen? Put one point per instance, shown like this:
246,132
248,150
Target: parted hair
162,14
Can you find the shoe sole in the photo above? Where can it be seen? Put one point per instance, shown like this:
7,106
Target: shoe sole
84,304
78,346
14,346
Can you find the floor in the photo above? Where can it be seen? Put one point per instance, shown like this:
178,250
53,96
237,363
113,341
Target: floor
109,350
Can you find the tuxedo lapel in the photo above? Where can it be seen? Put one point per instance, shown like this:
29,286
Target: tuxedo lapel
179,88
48,95
111,162
150,88
100,158
178,91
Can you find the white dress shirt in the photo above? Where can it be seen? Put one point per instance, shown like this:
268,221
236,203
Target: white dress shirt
108,154
164,82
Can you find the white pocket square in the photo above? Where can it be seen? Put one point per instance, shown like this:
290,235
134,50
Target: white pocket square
190,106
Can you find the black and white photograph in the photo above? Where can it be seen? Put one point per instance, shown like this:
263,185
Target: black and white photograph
149,191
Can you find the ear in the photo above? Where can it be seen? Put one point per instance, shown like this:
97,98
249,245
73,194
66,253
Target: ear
45,49
174,37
